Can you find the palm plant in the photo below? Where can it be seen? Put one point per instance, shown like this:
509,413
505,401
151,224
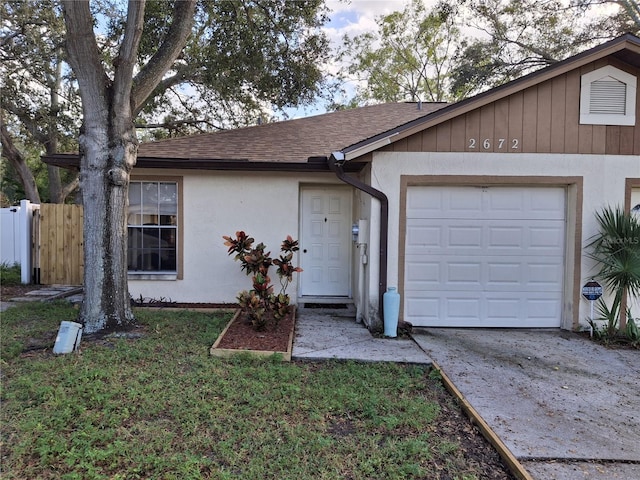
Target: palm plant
616,249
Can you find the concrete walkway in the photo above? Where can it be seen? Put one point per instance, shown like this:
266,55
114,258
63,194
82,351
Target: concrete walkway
50,292
323,334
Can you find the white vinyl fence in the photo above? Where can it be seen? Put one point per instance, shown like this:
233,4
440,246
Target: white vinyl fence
15,236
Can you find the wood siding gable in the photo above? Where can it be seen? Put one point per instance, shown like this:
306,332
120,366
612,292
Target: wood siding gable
542,118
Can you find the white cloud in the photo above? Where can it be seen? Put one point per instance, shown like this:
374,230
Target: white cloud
359,16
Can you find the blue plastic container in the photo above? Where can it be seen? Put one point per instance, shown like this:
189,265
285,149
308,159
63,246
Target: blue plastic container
391,305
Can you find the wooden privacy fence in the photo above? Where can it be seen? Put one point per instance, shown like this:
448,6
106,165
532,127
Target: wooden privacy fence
58,248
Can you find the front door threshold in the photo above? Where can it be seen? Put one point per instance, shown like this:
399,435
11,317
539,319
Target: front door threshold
338,307
325,300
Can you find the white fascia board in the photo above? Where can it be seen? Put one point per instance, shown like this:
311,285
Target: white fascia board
369,147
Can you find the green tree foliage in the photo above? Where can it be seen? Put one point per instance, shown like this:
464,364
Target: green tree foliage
244,59
408,58
623,17
39,107
519,36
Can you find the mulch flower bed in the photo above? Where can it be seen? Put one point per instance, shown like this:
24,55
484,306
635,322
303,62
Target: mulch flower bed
240,335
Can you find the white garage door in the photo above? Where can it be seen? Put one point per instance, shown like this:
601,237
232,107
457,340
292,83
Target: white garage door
484,256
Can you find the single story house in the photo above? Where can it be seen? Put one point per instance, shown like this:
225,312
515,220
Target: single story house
477,211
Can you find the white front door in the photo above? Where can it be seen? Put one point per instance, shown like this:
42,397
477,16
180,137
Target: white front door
325,241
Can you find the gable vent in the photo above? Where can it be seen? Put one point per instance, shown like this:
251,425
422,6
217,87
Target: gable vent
608,97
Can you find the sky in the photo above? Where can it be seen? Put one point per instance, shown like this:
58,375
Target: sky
358,16
352,17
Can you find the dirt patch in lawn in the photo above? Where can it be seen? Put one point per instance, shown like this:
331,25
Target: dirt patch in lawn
474,450
7,292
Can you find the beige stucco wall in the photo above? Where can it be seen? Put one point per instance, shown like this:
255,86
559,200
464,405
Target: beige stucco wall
264,205
603,181
365,258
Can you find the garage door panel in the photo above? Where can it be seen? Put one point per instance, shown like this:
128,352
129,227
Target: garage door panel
491,273
467,309
511,237
526,203
546,274
533,274
484,256
462,237
544,309
501,274
507,203
461,308
435,203
464,274
423,310
547,203
421,236
423,274
634,302
550,237
464,201
503,309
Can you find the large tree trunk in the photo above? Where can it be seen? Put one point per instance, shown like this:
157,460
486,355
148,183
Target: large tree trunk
108,148
106,164
51,146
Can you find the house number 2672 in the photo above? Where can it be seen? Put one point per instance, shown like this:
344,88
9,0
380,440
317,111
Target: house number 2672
501,143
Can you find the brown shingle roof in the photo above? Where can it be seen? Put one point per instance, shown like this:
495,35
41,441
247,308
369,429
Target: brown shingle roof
291,140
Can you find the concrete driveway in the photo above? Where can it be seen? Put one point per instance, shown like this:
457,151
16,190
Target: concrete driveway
565,407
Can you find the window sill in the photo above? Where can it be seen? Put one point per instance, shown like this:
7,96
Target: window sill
152,276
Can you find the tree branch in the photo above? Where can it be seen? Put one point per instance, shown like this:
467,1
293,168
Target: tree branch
126,60
179,123
85,59
19,164
152,73
168,82
70,187
30,123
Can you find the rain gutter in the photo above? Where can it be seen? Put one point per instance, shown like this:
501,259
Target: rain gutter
335,163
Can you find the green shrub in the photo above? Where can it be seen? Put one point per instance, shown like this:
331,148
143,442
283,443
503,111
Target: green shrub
616,250
10,274
260,303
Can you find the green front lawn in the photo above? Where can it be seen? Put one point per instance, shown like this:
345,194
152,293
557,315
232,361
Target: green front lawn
160,407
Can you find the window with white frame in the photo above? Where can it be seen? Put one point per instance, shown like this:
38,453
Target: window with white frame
152,224
608,97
